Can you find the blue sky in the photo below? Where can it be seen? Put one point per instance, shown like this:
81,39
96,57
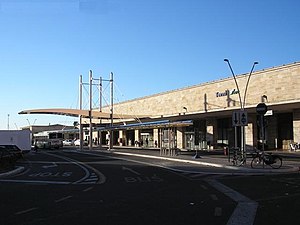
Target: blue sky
151,46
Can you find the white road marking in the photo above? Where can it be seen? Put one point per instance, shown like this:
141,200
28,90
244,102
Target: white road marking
218,211
87,189
244,213
130,170
203,187
25,211
36,181
53,164
84,166
214,197
63,199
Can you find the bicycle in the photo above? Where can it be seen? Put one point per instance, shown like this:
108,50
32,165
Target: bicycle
260,158
238,158
294,146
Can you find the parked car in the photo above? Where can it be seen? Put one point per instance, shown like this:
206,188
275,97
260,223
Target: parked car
13,149
68,142
9,154
77,143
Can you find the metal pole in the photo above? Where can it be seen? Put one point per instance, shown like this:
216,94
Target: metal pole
236,83
245,93
100,110
80,116
90,111
7,121
262,127
100,95
111,111
242,104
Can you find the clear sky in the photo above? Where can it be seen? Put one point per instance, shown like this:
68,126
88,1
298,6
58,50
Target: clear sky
151,46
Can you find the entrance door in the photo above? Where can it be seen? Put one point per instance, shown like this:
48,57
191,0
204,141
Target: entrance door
285,130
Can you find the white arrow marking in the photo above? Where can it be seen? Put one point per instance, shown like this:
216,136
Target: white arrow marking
130,170
53,164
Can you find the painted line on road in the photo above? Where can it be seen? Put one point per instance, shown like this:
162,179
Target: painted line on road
130,170
13,172
87,172
203,187
244,213
26,211
63,199
87,189
218,211
171,159
84,166
214,197
36,181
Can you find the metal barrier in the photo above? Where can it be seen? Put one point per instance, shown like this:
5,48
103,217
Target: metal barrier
168,151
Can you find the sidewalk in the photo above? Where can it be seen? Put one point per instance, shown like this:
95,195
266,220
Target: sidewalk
213,158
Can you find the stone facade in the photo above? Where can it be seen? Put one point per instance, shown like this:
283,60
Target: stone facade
212,101
279,84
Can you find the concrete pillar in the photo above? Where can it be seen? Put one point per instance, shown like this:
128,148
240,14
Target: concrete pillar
296,126
180,138
249,135
136,136
211,133
121,137
156,137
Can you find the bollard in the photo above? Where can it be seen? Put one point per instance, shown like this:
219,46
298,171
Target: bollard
225,150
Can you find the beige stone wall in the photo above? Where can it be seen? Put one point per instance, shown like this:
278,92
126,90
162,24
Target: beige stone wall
278,84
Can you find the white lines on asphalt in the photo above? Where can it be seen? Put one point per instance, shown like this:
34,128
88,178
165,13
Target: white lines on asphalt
87,189
63,199
36,181
130,170
52,164
214,197
101,178
25,211
218,211
203,187
244,213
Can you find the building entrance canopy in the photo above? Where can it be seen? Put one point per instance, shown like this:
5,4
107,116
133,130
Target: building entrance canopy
79,112
149,125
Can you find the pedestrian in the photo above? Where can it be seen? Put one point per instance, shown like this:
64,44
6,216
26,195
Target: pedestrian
147,142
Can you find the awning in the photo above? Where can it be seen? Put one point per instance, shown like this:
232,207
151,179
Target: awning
83,113
149,125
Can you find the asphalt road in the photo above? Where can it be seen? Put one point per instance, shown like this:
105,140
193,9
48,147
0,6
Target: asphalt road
70,187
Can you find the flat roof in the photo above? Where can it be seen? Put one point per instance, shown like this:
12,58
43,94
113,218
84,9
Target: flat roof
79,112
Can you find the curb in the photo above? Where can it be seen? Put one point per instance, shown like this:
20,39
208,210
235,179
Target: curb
234,169
216,165
15,171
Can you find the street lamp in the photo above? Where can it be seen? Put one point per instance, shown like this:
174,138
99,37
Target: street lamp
242,105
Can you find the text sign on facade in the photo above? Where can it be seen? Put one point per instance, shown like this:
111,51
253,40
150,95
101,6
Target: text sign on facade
239,118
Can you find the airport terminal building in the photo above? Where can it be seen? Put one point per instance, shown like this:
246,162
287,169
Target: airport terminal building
205,116
201,116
